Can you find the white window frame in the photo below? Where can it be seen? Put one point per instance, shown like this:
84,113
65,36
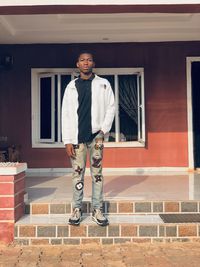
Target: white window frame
35,74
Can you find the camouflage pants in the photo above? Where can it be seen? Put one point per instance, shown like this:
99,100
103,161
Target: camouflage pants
95,150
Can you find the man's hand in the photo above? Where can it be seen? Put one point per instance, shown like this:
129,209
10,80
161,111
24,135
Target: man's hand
100,135
70,151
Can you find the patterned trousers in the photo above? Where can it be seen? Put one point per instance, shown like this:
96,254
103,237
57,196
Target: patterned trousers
95,149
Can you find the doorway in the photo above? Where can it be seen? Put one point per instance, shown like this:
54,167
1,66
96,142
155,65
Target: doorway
195,81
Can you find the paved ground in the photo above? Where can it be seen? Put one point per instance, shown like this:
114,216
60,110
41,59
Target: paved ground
124,255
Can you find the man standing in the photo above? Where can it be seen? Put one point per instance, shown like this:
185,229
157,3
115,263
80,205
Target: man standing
88,110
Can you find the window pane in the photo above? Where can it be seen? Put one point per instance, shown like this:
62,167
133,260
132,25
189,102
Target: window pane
111,79
56,108
140,134
65,79
140,108
45,108
128,107
140,90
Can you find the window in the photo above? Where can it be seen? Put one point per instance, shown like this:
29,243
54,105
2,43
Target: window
48,86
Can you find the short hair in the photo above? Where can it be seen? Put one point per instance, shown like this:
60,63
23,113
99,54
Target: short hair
85,52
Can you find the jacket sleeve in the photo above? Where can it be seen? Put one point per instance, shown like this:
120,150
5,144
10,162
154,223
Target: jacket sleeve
65,117
110,110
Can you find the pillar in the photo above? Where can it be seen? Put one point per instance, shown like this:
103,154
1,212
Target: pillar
12,190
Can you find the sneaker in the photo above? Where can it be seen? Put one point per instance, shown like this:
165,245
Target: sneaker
75,218
99,218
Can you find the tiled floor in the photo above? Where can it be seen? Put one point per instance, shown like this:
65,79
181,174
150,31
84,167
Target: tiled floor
165,186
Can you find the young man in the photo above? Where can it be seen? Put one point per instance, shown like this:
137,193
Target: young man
87,114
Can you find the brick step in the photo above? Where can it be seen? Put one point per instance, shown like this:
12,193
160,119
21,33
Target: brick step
117,207
54,230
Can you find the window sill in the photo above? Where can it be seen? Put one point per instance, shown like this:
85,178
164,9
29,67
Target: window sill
125,144
106,144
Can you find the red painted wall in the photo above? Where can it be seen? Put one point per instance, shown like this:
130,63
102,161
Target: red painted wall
165,93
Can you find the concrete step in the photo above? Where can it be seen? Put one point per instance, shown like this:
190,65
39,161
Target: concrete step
54,230
120,206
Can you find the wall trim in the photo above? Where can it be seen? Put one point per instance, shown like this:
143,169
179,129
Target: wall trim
110,171
95,2
88,8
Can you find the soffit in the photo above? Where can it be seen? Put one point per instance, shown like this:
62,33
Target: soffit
97,28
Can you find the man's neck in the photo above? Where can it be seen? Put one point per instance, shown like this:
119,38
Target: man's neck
85,76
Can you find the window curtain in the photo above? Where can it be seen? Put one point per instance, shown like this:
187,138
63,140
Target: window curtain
128,96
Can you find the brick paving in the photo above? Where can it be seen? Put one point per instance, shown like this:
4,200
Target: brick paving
93,255
118,206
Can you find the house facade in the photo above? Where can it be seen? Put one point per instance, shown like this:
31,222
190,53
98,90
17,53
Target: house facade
150,53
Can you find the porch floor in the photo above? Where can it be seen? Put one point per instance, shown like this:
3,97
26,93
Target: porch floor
162,186
133,205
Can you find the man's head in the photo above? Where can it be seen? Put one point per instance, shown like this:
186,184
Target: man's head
85,62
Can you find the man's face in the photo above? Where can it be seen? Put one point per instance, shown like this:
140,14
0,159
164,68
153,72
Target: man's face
85,63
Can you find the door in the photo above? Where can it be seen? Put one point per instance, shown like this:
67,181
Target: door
196,111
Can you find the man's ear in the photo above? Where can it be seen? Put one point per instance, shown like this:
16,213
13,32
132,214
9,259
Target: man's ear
77,65
93,64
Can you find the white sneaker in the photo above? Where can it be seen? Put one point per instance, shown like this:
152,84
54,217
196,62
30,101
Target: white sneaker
75,218
99,218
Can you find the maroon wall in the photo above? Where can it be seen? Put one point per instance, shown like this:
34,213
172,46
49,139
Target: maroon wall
165,93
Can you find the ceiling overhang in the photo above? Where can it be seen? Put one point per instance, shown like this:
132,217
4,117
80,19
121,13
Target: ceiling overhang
34,21
97,9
